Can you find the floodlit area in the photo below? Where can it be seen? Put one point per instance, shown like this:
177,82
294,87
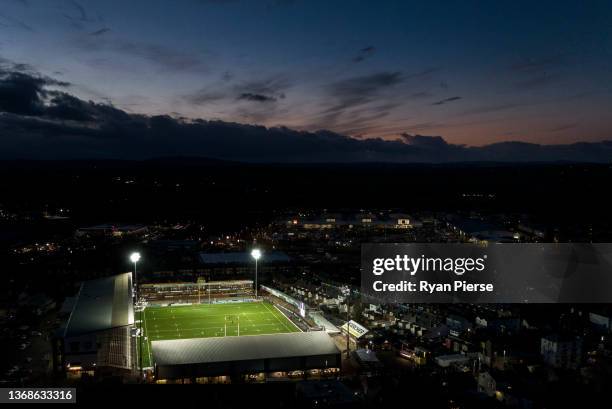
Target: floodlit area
210,320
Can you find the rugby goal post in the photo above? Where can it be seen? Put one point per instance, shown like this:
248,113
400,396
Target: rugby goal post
233,320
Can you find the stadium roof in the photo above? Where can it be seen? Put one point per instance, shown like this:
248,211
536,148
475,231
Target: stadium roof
242,258
320,320
244,348
354,328
101,304
196,284
282,295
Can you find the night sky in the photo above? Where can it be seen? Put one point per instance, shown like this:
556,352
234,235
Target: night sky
474,73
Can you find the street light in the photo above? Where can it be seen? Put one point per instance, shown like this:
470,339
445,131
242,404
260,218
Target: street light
256,254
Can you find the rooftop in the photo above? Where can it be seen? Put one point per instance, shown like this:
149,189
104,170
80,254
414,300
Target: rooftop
101,304
244,348
366,355
452,358
354,328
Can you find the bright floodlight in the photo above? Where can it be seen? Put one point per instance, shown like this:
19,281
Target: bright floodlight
134,257
256,254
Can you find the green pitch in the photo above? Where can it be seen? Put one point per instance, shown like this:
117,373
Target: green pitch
210,320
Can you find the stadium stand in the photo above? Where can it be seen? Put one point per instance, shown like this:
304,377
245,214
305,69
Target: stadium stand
97,333
234,356
196,292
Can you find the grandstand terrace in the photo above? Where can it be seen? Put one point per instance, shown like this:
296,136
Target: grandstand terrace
96,334
196,292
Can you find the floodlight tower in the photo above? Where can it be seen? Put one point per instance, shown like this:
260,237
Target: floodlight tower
346,290
134,258
256,254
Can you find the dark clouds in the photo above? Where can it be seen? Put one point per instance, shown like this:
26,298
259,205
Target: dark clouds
364,53
77,14
168,59
352,92
249,96
492,108
227,76
100,31
359,89
536,72
427,141
20,94
446,100
255,100
165,58
426,73
537,81
40,121
564,127
24,94
537,64
356,102
10,21
267,89
357,68
421,94
204,97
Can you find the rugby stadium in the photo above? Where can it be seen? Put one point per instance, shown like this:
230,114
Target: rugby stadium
202,332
